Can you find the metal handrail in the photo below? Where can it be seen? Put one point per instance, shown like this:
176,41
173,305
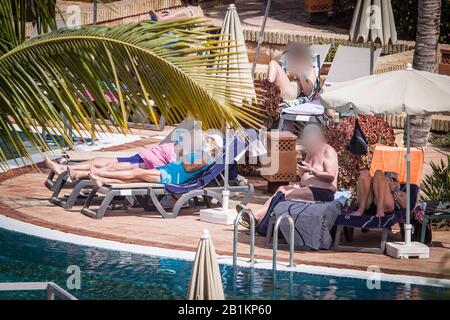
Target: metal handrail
52,289
291,242
252,236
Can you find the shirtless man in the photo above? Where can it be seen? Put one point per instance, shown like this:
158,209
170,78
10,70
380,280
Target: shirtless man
318,172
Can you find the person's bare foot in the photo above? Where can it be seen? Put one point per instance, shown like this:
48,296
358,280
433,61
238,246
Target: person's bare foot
358,213
99,182
380,213
76,175
95,171
56,167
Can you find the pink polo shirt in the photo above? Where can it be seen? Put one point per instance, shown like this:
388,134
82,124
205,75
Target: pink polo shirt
158,155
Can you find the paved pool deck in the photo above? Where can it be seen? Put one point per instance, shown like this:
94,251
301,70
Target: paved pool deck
23,196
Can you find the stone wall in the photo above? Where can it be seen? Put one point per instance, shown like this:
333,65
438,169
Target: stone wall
126,11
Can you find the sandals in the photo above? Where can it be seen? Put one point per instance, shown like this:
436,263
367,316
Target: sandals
244,221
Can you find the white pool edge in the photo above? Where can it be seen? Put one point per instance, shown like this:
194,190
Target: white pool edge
104,140
51,234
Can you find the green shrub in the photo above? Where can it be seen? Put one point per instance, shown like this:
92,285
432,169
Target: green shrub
436,186
440,140
405,13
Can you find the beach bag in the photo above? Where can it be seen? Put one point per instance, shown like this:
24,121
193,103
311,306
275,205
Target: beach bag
263,224
358,144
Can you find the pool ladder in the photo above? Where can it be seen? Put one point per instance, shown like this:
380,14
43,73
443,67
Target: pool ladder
275,238
252,236
291,240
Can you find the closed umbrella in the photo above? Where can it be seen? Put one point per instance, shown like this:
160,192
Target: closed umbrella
373,21
407,91
206,282
238,67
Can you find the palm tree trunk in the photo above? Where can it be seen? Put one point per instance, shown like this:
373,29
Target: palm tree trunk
425,58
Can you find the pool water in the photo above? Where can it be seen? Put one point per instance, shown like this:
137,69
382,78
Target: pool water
53,142
107,274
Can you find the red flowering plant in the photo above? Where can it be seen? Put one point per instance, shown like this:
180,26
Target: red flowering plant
271,100
376,130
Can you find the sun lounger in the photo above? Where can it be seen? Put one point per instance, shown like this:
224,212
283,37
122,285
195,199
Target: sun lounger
391,159
79,156
313,222
307,112
208,185
370,222
349,63
62,181
321,50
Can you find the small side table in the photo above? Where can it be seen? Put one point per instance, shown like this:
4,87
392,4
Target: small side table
431,216
283,160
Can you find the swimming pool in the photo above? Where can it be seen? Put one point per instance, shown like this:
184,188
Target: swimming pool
109,274
82,142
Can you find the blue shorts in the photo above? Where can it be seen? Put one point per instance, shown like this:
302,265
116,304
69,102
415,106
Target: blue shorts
135,161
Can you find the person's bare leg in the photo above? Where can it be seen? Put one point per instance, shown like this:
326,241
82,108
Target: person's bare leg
126,176
55,166
118,166
78,174
260,211
382,194
291,192
113,166
98,162
364,192
303,193
289,90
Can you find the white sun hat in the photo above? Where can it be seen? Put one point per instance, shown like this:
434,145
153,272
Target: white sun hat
217,139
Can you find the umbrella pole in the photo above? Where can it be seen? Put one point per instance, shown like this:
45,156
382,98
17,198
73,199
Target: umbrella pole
226,192
260,36
408,227
372,57
94,12
223,215
407,249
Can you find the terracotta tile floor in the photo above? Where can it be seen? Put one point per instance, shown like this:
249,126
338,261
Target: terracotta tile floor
284,16
24,197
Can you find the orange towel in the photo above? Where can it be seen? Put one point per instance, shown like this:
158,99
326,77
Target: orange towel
393,159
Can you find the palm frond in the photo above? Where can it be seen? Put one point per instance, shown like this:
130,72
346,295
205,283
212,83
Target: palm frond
57,78
16,15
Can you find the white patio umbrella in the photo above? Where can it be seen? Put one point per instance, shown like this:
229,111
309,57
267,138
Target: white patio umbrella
206,282
407,91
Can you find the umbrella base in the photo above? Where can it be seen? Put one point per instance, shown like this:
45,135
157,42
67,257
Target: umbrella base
218,216
400,250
